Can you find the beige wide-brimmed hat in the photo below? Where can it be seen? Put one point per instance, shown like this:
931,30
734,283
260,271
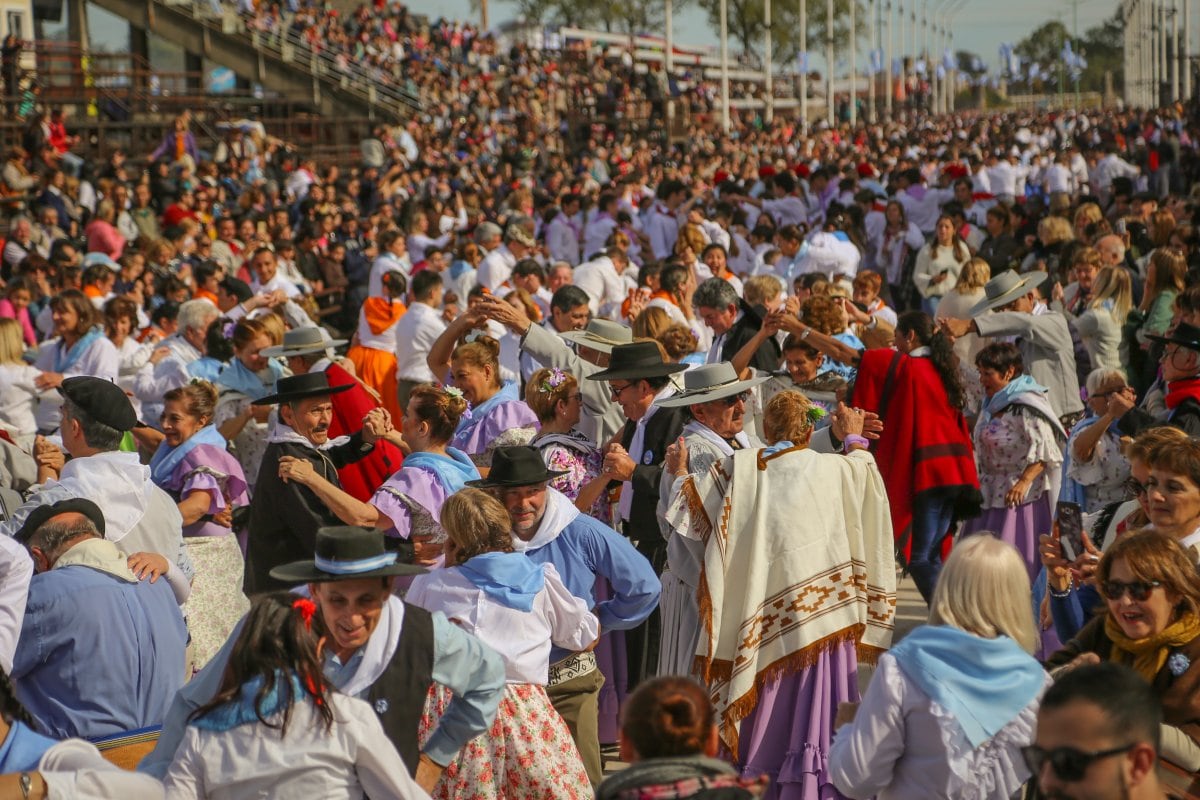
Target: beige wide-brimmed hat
710,382
601,335
1006,287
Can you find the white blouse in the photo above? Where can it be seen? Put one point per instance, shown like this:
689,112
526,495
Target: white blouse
19,402
1006,445
352,760
522,638
904,745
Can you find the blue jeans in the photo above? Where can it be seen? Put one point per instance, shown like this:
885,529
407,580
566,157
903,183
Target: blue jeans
933,513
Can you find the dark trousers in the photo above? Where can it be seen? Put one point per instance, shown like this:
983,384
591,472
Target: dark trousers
933,514
577,701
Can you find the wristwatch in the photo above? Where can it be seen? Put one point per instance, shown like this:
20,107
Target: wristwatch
26,783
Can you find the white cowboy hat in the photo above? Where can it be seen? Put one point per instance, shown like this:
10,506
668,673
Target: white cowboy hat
1005,288
710,382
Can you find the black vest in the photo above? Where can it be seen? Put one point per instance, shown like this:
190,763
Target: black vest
398,696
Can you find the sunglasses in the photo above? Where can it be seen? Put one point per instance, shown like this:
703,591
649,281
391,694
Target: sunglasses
733,401
1138,590
1067,763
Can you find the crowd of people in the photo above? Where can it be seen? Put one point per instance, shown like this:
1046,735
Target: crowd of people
440,475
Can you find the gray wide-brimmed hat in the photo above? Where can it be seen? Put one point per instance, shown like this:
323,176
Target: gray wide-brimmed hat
1005,288
601,335
302,342
710,382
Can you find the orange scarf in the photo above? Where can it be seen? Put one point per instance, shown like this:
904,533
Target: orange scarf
381,313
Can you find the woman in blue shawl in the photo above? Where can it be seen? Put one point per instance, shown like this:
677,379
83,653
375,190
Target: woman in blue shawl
409,503
79,348
950,706
192,465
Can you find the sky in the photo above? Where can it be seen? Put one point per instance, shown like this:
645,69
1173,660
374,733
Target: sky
980,27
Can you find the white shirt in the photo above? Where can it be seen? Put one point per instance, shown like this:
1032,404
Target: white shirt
1057,179
522,638
662,227
829,255
786,210
904,745
100,359
604,287
386,263
415,334
385,340
562,240
16,570
595,236
155,380
275,284
19,401
353,760
496,268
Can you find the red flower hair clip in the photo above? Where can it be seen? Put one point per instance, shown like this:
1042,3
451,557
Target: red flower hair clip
306,608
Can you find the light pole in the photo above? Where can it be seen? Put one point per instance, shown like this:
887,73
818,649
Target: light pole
853,65
1175,51
950,14
889,79
1185,58
725,66
804,65
769,113
872,10
830,114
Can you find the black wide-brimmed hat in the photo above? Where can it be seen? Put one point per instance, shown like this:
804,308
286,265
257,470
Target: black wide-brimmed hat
1184,335
43,514
518,465
636,361
346,553
298,387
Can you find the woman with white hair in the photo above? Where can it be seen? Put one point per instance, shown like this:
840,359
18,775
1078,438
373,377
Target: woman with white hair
950,706
1096,469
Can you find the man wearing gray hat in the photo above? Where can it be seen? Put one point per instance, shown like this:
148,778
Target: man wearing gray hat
716,402
139,516
1009,308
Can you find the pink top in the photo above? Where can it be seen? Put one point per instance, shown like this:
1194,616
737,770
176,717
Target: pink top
7,309
104,238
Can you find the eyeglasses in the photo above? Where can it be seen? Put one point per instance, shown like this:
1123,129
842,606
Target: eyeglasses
1135,487
1138,590
616,391
733,401
1067,763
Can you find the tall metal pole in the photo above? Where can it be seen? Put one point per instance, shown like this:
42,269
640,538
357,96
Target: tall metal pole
1162,48
853,64
1185,57
872,10
669,53
804,59
903,76
768,64
725,66
1175,51
830,108
889,79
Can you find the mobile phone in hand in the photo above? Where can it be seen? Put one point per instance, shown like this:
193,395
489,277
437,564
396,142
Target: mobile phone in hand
1069,517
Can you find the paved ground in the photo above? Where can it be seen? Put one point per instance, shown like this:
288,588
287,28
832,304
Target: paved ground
910,612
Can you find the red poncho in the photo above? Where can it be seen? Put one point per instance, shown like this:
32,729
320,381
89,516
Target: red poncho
925,443
361,478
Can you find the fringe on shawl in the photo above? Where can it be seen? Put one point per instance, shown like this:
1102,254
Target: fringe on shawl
739,709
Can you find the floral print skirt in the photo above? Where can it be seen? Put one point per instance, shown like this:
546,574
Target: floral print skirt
528,753
216,602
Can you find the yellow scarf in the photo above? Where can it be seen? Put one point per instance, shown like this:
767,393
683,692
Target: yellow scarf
1150,654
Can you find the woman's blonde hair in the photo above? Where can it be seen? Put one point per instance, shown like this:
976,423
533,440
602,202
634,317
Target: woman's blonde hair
761,289
546,389
1113,283
651,323
1052,230
477,523
12,341
790,417
1086,214
974,276
823,314
984,590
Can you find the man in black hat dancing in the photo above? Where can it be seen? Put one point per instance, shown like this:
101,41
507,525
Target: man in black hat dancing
1181,381
285,514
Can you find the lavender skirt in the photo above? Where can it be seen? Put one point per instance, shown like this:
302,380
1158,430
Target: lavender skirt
1019,526
787,736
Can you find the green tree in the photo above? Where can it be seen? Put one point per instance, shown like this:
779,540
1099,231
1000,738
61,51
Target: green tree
747,26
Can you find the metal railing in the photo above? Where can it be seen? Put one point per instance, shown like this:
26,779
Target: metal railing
291,48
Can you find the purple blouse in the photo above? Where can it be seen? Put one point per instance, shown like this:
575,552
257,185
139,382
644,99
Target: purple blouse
209,469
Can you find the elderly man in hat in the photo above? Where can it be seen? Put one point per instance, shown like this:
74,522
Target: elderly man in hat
1010,308
638,377
1181,379
285,514
715,400
172,363
139,516
379,649
310,351
101,653
549,529
601,417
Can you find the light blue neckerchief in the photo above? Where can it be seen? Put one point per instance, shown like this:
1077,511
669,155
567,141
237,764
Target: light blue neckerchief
452,470
23,748
243,711
511,579
983,683
238,377
1004,398
508,393
65,359
167,458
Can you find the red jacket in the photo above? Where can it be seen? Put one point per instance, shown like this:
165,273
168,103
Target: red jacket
363,477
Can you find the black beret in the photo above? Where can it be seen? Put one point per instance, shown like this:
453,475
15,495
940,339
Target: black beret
103,400
43,514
